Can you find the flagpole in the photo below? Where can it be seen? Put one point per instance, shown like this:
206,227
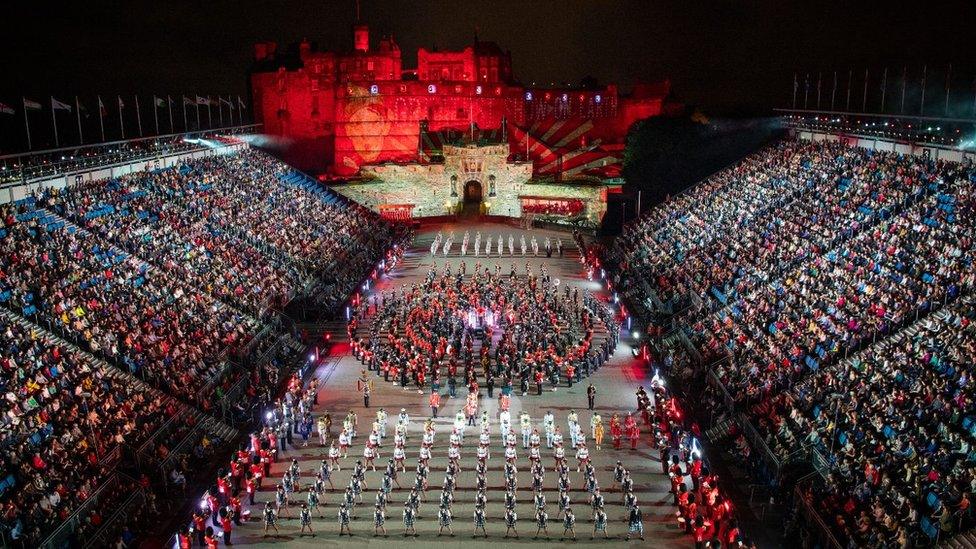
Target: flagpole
794,91
806,91
230,109
138,115
26,122
904,84
121,122
184,114
169,107
921,105
220,109
81,136
101,116
240,105
948,85
209,118
156,113
850,82
819,78
884,88
54,121
864,99
833,92
196,103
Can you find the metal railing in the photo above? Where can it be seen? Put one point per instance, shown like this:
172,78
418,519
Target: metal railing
817,527
113,525
59,538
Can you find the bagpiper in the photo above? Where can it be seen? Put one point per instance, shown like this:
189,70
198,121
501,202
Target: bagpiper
379,520
445,519
270,519
343,517
541,520
306,519
569,523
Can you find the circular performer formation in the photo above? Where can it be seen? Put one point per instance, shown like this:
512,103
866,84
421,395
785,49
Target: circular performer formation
485,327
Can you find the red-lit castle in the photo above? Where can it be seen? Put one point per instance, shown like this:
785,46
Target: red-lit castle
362,109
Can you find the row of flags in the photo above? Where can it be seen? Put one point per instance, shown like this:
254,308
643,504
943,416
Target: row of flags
31,105
158,103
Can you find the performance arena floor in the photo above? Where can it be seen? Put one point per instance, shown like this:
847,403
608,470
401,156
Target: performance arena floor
615,382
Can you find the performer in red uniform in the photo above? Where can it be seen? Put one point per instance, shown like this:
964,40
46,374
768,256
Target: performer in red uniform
616,432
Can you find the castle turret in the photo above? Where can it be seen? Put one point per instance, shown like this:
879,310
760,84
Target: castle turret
360,38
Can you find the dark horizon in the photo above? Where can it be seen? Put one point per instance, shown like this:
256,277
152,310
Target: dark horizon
724,56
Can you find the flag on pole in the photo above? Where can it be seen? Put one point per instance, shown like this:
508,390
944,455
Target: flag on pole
138,115
796,86
101,117
28,106
241,104
121,119
884,88
157,102
55,105
833,92
921,104
230,107
948,85
186,101
196,107
6,109
169,107
203,101
81,134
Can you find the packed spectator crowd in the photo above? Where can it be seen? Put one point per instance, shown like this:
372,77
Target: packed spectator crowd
167,275
902,414
64,417
41,165
781,267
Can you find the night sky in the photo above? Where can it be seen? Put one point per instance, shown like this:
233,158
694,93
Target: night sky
721,55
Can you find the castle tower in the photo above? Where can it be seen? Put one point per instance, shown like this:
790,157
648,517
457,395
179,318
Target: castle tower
360,38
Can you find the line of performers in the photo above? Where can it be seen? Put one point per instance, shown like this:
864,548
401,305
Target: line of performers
443,245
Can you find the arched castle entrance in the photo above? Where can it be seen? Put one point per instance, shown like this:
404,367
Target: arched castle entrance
473,192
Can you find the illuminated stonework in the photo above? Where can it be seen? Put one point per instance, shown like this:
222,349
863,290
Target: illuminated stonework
352,109
479,176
